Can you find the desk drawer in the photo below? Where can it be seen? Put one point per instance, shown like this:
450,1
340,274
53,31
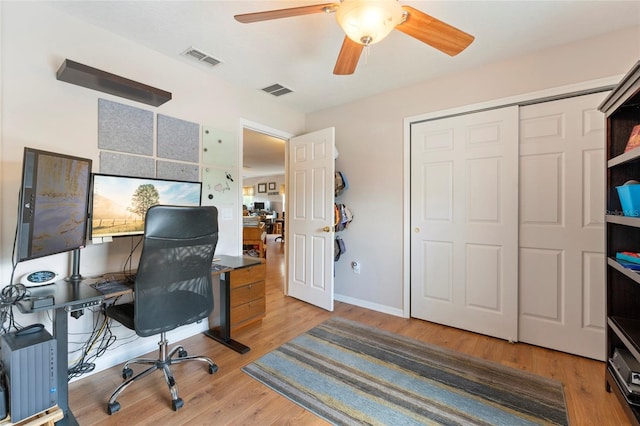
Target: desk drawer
248,275
247,293
247,313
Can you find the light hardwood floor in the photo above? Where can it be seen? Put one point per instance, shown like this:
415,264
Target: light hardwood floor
230,397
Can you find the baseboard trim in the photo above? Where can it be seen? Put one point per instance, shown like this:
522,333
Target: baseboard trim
369,305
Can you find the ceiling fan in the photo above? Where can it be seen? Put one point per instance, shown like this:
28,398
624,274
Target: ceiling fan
366,22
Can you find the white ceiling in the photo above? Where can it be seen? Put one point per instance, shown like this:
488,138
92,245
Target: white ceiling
263,155
300,52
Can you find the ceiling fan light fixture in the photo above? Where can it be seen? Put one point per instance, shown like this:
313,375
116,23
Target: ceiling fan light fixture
368,21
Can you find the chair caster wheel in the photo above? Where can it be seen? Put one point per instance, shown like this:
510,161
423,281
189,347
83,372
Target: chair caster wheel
113,408
213,368
126,373
177,403
182,354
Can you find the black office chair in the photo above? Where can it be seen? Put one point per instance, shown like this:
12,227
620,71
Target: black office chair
172,288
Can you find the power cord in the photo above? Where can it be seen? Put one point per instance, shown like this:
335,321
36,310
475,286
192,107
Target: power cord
99,341
129,260
9,296
12,293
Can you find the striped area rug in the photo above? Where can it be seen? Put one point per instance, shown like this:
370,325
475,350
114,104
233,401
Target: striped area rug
350,373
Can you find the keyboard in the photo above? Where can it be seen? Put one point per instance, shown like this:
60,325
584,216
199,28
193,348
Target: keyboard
113,286
215,267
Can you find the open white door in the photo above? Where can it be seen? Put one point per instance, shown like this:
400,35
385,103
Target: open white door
310,218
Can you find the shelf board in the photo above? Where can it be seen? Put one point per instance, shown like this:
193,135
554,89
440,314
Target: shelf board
623,220
628,330
635,276
626,157
95,79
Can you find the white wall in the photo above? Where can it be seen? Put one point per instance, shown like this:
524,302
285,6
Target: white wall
272,202
369,136
41,112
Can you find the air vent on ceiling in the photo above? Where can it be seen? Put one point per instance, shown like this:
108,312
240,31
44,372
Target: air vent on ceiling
201,56
277,90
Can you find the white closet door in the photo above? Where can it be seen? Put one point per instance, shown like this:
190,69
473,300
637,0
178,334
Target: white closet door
562,209
464,222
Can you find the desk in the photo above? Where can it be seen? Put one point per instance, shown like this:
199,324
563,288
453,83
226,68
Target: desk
67,297
227,264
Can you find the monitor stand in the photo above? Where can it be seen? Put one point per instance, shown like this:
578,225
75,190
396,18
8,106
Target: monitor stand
75,276
75,279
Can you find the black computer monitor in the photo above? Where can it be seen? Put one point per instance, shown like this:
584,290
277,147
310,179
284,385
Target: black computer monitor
258,205
53,208
119,204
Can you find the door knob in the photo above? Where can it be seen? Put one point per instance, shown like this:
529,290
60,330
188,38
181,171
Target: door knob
327,229
417,230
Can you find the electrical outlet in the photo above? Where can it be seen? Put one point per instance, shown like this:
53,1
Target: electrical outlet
355,265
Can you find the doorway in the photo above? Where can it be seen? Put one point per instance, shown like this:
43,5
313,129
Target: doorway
310,185
263,173
263,160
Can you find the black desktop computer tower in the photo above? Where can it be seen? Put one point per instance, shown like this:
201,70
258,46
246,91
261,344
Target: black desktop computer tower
29,368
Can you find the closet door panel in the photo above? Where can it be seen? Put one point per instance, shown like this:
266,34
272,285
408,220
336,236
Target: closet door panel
464,222
562,211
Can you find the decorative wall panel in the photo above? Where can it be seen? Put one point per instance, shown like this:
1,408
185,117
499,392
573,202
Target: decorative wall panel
124,128
178,171
178,139
127,165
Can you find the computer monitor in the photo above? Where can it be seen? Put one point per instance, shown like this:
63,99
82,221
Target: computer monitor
119,204
258,205
53,208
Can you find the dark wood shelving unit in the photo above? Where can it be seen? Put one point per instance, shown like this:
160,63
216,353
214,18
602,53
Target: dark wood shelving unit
622,110
93,78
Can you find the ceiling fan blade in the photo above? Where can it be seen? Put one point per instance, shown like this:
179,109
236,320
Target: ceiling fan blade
247,18
348,57
434,32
